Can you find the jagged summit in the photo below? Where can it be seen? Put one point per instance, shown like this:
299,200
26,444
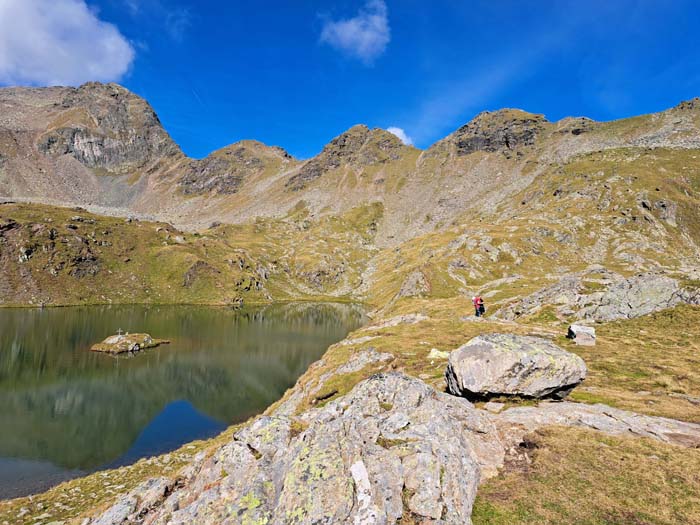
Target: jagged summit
259,147
101,145
692,104
101,126
358,147
492,131
225,170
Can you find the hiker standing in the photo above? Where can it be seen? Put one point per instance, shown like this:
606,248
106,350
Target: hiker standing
479,309
478,303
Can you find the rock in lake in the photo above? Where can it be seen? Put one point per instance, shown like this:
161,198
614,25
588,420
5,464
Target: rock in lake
503,364
123,343
582,335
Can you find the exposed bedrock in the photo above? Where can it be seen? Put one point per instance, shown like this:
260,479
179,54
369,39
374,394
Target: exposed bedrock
391,449
618,298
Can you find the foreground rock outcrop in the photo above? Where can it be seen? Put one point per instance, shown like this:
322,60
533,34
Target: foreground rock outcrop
393,450
505,364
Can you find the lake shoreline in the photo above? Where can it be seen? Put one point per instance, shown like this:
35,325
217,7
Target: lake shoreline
222,359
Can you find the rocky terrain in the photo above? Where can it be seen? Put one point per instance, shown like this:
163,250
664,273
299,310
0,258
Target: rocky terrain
426,415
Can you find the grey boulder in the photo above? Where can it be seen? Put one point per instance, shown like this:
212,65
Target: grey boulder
504,364
582,335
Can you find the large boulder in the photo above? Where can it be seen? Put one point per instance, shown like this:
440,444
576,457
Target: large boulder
504,364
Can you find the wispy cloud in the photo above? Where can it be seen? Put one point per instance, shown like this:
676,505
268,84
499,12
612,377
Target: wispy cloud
365,36
408,141
437,113
52,42
440,112
177,21
174,19
134,6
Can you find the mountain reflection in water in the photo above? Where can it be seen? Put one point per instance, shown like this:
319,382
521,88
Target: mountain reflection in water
65,411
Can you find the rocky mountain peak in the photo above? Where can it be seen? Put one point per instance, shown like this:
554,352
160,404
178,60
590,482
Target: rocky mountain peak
255,147
347,142
492,131
360,138
105,126
575,125
692,104
225,170
356,148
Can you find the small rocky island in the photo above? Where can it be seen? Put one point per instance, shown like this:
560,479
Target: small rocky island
127,343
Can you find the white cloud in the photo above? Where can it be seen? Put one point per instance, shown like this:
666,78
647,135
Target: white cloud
408,141
59,42
364,36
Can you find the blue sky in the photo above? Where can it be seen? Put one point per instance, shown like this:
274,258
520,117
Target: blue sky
296,73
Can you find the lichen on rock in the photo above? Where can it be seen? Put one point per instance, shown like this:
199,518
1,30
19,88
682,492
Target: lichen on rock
505,364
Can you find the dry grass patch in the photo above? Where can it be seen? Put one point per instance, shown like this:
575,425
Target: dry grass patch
649,365
585,477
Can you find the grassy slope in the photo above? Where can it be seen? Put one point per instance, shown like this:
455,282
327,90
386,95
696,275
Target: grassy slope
98,259
586,212
584,477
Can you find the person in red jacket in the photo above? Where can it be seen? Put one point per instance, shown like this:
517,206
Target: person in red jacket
479,308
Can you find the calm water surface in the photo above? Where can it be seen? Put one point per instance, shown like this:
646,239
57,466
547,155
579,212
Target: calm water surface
65,411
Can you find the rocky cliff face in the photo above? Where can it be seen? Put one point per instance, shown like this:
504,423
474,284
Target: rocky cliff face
506,131
357,148
96,144
106,126
224,171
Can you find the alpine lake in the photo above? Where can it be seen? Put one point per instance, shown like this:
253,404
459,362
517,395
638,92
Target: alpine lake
66,411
